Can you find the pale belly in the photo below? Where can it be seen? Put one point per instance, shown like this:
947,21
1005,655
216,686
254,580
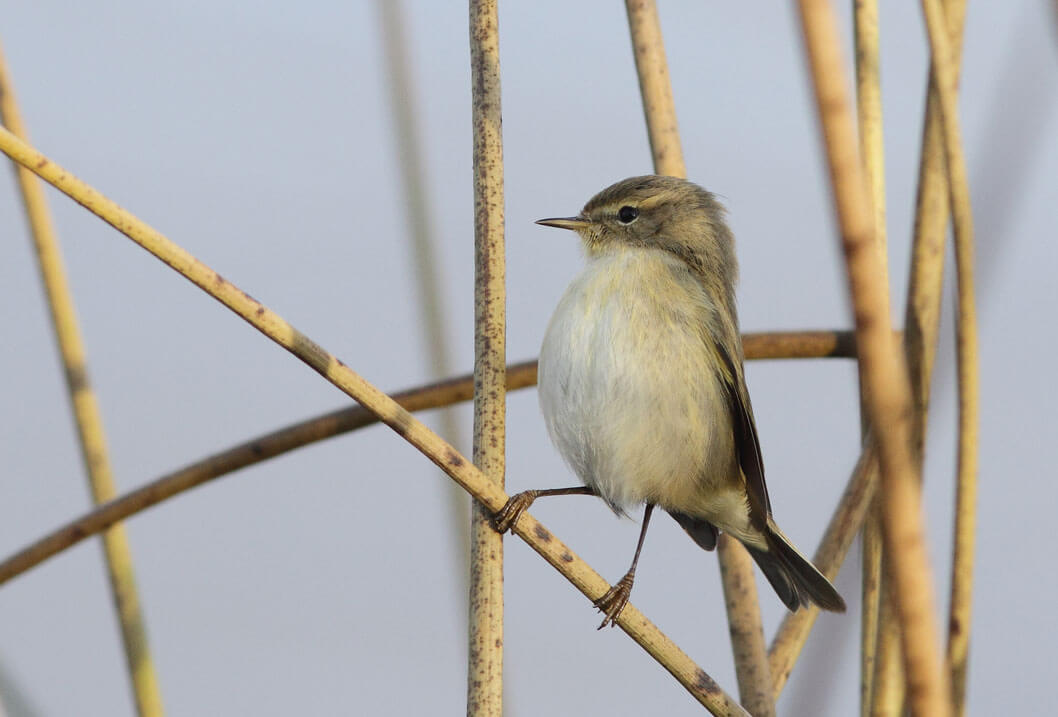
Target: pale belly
628,393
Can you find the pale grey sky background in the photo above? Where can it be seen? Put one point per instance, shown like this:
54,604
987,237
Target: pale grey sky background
259,138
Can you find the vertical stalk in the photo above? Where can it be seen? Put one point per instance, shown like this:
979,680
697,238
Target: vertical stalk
485,673
424,262
871,586
88,419
945,80
883,368
920,333
655,87
736,567
872,154
744,624
887,695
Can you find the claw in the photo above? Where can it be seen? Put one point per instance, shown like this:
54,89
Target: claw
613,602
508,515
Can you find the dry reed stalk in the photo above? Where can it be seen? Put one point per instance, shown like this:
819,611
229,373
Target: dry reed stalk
655,87
702,687
89,421
744,624
920,336
779,345
884,371
887,698
870,609
945,81
872,154
485,671
430,298
923,311
736,568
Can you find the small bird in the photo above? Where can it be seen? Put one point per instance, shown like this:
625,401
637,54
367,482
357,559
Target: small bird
642,387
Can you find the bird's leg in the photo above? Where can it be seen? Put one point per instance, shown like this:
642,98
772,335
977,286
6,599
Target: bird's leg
508,515
613,602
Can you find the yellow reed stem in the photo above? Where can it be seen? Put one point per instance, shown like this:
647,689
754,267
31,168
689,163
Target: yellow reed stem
887,699
871,585
884,371
592,585
872,153
655,87
945,81
91,436
920,337
923,311
744,624
485,672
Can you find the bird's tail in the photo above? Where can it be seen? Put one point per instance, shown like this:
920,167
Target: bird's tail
793,576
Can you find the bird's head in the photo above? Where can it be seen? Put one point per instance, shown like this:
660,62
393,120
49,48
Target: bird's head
657,212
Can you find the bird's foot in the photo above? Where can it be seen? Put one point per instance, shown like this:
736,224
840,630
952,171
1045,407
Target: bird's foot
613,602
505,518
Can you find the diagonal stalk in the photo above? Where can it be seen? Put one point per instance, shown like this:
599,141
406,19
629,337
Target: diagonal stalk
592,585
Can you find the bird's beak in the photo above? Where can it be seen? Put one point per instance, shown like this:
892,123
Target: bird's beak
574,223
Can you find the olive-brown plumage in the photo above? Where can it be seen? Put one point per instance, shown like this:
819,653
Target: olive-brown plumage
641,380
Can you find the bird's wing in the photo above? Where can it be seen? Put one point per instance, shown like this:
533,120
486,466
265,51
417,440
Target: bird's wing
701,531
746,443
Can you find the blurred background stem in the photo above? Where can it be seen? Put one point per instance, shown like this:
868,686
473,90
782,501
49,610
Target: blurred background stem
426,270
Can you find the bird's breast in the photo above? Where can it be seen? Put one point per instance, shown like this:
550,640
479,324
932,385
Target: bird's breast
628,391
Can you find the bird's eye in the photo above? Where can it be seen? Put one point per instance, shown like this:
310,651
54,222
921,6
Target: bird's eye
627,215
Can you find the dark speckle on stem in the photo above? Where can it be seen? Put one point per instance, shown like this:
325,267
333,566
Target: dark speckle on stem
541,533
77,378
453,459
705,683
401,422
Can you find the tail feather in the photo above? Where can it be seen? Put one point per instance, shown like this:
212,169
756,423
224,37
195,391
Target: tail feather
794,578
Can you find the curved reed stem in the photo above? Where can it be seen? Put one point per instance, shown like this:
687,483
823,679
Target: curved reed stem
808,344
702,687
89,421
888,394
